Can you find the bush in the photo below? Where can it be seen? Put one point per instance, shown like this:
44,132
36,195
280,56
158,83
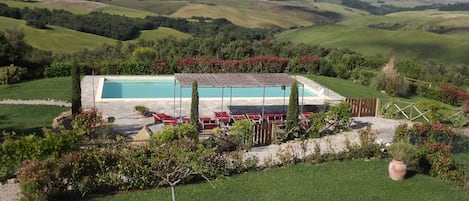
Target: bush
12,74
340,116
434,142
142,110
16,149
58,69
362,76
99,170
174,133
241,134
63,69
403,151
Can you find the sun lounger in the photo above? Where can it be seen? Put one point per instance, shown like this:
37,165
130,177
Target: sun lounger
254,117
186,119
207,123
222,117
237,117
159,117
306,115
170,121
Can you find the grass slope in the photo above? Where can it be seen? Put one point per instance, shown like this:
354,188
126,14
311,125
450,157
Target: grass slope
160,33
27,119
411,42
50,88
154,6
78,6
343,87
241,16
284,14
129,12
349,180
56,38
53,39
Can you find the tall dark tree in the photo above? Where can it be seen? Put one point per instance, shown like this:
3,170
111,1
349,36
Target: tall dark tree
293,109
76,89
195,104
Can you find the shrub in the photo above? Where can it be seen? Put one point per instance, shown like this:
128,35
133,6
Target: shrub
403,151
12,74
368,146
390,81
316,125
174,133
434,142
339,116
241,134
362,76
58,69
16,149
142,110
401,134
90,123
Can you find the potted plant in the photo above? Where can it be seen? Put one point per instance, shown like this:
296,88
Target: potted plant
142,110
402,153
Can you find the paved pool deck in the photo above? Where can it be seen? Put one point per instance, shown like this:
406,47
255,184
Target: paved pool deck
128,121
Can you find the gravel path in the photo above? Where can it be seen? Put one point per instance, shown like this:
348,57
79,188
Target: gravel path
10,192
36,102
328,144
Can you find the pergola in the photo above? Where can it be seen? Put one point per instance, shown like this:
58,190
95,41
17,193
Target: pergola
236,80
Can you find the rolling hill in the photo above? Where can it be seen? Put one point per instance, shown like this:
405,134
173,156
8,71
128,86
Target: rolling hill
58,39
407,34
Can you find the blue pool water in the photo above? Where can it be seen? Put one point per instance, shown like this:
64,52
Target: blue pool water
165,89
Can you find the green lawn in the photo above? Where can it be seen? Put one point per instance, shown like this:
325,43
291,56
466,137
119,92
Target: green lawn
50,88
343,87
27,119
350,180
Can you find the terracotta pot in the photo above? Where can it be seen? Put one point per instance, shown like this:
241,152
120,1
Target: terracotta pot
397,170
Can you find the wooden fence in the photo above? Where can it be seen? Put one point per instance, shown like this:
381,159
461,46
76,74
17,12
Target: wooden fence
264,134
364,107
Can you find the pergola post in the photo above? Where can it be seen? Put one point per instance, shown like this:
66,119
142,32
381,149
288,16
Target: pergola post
180,102
302,97
263,101
231,94
174,98
222,95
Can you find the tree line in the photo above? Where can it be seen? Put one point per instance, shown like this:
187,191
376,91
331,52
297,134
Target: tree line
125,28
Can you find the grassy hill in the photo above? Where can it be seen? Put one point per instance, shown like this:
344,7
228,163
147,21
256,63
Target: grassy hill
410,40
80,7
55,38
161,32
270,14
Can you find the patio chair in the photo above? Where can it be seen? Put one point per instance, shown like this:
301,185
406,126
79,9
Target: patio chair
222,117
237,117
170,121
159,117
254,117
186,119
207,123
306,115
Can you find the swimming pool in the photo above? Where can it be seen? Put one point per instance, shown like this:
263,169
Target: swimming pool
124,89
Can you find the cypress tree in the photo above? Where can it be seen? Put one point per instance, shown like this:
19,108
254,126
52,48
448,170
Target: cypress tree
293,108
76,89
195,104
